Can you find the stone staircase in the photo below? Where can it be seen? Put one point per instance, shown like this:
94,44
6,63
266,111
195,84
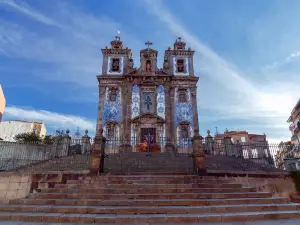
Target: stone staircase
166,162
150,199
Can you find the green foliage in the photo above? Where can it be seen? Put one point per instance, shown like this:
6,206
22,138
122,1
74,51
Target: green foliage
296,177
33,138
28,137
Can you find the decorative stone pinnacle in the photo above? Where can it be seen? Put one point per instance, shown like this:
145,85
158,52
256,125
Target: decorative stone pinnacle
208,132
86,131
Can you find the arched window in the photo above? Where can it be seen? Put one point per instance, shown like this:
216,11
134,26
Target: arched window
148,66
115,66
180,65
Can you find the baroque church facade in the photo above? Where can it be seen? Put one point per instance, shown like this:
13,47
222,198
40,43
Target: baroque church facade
138,103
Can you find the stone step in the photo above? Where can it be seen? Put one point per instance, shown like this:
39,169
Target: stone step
131,186
147,177
150,202
149,210
149,218
150,196
146,190
146,181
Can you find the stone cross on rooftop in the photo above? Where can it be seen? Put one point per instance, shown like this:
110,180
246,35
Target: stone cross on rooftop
148,43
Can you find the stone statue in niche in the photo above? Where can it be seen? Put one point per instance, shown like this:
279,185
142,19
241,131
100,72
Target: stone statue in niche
148,66
184,131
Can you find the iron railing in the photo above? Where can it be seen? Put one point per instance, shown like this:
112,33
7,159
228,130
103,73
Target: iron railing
220,154
116,145
148,155
37,156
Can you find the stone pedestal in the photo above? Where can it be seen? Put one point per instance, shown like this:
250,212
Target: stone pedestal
98,154
199,156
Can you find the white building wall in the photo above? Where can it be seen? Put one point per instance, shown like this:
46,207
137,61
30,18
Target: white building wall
9,129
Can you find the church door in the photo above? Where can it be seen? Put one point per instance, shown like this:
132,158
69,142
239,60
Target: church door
147,131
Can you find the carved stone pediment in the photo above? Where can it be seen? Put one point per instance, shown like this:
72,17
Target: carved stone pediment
148,118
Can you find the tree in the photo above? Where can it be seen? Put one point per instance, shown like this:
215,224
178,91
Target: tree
28,137
33,138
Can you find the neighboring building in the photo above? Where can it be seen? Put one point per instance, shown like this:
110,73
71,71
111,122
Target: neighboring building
148,102
242,137
2,103
283,152
294,127
241,144
9,129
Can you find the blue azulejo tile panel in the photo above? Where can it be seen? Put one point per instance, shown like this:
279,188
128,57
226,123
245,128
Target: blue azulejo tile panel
161,101
183,112
112,112
135,106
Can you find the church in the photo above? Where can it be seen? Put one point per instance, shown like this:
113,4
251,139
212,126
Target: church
156,106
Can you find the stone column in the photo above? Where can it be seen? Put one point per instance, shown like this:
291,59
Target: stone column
198,155
65,151
102,90
195,110
104,64
168,109
209,143
125,133
228,146
128,110
98,153
170,116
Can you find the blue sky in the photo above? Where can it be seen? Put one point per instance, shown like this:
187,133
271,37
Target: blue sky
247,57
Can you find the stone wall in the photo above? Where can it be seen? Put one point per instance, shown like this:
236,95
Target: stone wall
14,185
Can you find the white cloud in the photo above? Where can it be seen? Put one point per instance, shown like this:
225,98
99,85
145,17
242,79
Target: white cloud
287,60
25,9
72,47
51,119
231,93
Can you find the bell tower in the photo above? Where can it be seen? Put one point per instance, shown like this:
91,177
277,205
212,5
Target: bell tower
148,60
117,60
179,60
